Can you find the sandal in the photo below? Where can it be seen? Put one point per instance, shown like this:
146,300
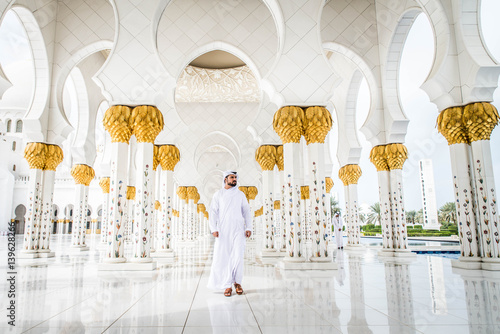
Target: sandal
228,292
239,289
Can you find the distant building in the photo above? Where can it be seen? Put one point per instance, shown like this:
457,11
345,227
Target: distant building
427,189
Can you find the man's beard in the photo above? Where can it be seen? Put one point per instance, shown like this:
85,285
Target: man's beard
232,184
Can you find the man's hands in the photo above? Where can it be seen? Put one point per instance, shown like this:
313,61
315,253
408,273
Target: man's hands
248,234
215,234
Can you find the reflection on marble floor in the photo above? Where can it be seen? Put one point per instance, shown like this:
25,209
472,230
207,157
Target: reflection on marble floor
67,294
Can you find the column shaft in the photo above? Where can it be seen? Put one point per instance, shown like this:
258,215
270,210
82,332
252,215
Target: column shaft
117,197
354,214
46,210
317,195
166,194
385,210
291,152
79,216
487,210
144,204
33,214
268,209
398,210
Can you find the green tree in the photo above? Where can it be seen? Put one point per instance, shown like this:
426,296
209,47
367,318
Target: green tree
362,218
411,217
374,215
448,213
419,218
334,206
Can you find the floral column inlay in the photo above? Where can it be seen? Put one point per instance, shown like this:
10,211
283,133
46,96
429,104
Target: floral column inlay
116,122
480,119
34,153
288,124
350,174
377,157
450,125
83,175
146,122
169,156
53,157
104,184
266,157
317,124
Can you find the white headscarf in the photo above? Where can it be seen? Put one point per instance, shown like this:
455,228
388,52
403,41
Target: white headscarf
226,174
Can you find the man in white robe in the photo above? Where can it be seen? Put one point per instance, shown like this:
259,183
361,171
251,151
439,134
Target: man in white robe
338,224
230,222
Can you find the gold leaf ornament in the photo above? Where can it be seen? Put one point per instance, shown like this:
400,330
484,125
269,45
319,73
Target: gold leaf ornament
280,162
130,193
117,122
288,124
146,123
169,156
304,192
53,157
396,155
377,157
82,174
266,157
35,153
450,124
252,192
317,124
104,184
350,174
328,184
480,119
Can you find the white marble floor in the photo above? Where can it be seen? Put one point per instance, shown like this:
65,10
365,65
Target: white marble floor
67,294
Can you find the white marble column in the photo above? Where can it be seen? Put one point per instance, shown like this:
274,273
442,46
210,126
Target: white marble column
129,214
104,184
328,188
252,194
83,175
377,157
116,122
147,122
169,156
46,211
350,174
288,124
33,213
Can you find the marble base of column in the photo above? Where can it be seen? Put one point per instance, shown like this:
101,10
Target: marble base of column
77,249
355,247
27,255
386,253
469,262
167,253
114,260
492,264
46,253
404,253
270,253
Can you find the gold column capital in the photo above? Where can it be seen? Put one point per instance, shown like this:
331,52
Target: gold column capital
197,197
396,155
252,192
280,162
480,119
304,192
157,205
175,213
104,184
265,155
317,124
169,156
244,190
82,174
205,214
130,193
328,184
53,157
201,208
35,153
259,212
146,123
450,124
288,123
117,122
182,193
277,205
350,174
156,158
191,193
378,158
